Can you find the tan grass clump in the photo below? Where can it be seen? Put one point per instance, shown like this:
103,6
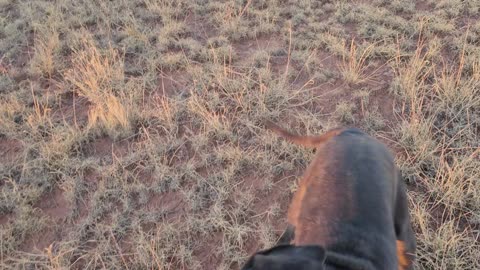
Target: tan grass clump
98,75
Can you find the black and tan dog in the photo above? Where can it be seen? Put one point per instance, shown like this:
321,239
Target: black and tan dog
349,212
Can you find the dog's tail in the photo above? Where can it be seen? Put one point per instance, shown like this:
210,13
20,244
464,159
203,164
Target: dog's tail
308,141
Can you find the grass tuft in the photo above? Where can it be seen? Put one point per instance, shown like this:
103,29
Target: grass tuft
98,75
354,65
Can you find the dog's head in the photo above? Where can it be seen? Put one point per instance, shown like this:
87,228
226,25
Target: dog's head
288,257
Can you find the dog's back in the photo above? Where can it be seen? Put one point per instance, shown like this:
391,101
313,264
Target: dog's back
351,201
345,201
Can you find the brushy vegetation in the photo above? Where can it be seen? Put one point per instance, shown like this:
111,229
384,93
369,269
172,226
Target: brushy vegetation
131,136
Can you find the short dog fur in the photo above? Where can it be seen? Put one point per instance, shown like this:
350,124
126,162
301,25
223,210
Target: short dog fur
288,257
351,203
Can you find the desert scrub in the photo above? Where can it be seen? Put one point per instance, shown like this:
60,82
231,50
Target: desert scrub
11,115
356,62
27,222
432,145
344,112
46,57
455,249
373,121
238,21
98,75
134,129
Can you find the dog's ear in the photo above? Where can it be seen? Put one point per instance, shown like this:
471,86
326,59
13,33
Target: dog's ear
288,257
260,262
314,252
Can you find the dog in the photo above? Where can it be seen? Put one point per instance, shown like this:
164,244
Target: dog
351,205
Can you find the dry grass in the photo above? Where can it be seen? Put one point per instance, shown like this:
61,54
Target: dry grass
131,136
441,155
45,58
354,65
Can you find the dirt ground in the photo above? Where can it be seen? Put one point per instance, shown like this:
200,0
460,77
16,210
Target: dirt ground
131,132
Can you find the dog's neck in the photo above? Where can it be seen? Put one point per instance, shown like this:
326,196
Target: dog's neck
345,261
354,248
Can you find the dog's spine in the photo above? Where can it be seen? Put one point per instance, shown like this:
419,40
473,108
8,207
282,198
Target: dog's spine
308,141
